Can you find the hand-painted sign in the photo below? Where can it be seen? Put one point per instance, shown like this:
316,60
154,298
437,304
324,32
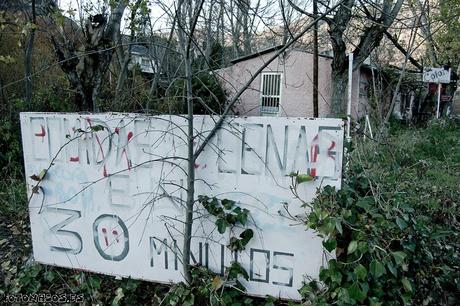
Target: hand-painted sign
112,198
436,75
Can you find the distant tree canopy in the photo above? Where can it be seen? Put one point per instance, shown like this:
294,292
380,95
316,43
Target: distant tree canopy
447,39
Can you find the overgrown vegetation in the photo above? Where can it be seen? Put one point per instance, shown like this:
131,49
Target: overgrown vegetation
394,227
394,224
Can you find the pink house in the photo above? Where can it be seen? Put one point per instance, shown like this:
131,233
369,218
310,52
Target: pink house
285,87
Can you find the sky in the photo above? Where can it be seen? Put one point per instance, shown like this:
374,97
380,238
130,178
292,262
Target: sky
157,14
160,19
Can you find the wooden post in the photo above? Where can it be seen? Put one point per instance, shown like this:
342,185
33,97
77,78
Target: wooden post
439,100
350,81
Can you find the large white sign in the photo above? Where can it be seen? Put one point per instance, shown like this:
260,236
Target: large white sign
112,199
436,75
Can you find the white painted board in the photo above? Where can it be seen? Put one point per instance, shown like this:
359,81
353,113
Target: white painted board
111,200
436,75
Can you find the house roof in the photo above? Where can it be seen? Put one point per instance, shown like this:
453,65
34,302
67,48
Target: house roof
141,50
268,50
256,54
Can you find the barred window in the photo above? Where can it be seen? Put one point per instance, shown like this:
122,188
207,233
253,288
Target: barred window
270,93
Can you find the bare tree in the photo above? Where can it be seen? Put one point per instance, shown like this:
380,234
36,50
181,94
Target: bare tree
185,33
127,58
425,26
96,41
368,40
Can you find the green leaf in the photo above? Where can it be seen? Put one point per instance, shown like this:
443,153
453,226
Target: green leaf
336,276
242,216
330,244
246,235
360,272
338,226
356,293
407,285
236,270
399,257
302,178
376,268
392,268
401,223
96,128
49,276
227,204
352,247
221,225
42,174
365,203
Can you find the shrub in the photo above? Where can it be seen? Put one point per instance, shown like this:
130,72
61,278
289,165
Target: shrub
394,224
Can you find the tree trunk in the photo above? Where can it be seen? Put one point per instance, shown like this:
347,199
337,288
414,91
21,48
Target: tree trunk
315,62
99,38
190,175
127,58
153,92
28,58
339,88
246,30
421,11
209,39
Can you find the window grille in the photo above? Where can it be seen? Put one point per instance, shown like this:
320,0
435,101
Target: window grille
270,93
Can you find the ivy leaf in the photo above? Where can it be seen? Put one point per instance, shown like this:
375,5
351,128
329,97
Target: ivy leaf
235,244
338,226
360,272
246,235
356,293
302,178
227,204
96,128
365,203
242,216
330,244
236,270
336,276
40,176
401,223
49,275
352,247
392,268
35,177
376,268
399,257
221,225
407,285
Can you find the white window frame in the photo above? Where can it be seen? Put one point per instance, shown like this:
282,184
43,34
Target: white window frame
264,110
145,62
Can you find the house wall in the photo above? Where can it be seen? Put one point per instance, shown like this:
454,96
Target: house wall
296,87
139,60
362,82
